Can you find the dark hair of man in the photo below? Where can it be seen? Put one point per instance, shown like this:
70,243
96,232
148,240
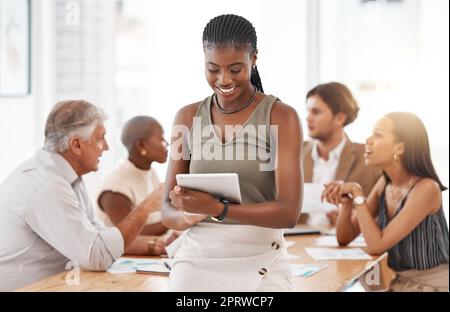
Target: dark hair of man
338,98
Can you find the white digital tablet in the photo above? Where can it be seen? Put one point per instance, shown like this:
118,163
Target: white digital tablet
219,185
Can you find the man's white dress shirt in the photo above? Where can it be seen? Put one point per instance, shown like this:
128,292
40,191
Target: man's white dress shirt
324,171
47,220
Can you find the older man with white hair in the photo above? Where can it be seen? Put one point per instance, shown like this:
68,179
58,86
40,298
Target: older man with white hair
46,217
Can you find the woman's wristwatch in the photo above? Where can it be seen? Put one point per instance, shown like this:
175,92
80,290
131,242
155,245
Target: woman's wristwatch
359,200
224,213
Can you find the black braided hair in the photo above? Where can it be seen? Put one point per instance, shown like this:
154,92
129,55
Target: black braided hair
231,30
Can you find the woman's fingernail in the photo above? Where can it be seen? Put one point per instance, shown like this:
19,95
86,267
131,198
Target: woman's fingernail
177,188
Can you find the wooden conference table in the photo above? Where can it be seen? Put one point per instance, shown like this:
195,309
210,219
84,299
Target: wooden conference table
339,275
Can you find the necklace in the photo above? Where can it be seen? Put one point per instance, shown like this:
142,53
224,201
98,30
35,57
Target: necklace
236,110
396,199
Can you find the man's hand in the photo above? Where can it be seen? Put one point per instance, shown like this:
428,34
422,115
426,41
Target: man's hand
131,226
157,247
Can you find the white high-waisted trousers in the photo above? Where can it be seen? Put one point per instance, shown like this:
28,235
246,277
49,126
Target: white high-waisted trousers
224,257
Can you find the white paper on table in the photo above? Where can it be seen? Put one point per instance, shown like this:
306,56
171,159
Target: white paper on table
156,268
330,232
337,254
306,270
130,265
331,241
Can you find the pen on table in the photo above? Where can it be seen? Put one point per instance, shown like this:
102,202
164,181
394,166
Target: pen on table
167,265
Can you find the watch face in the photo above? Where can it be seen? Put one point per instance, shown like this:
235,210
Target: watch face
216,219
359,200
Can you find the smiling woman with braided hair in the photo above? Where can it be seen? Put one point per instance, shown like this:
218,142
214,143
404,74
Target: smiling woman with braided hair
229,246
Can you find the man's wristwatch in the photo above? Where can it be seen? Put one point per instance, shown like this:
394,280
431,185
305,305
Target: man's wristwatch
224,213
359,200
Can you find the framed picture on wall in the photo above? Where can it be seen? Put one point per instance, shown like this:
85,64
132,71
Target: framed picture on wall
14,47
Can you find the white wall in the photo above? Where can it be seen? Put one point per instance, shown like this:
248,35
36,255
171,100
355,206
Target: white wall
16,129
85,65
433,84
22,118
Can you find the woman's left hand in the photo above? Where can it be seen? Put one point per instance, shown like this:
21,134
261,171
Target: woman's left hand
339,192
187,200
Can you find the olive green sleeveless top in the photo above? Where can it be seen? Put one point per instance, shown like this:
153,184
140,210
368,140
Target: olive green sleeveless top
249,151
